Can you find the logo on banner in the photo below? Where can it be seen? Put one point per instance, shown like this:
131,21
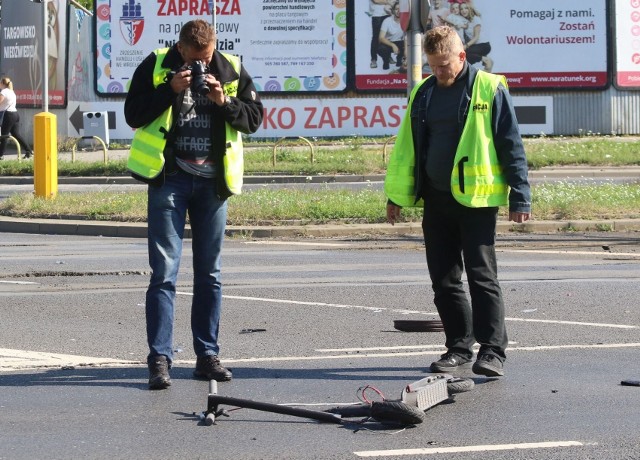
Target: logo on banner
131,22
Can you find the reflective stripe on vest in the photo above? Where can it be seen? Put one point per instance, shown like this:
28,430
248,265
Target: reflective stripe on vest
477,180
233,160
399,182
146,157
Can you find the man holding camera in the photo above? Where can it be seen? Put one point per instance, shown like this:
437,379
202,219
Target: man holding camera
189,105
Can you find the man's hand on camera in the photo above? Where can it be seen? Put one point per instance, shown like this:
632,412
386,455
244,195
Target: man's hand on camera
216,93
181,81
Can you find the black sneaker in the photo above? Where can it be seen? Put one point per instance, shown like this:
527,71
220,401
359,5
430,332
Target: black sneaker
488,365
448,362
209,368
159,373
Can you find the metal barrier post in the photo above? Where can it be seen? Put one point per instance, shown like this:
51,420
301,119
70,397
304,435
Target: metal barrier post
15,141
75,144
279,141
384,148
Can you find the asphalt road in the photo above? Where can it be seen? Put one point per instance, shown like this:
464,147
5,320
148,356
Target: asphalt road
72,347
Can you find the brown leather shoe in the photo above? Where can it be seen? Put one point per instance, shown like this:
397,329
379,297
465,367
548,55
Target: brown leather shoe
209,368
159,378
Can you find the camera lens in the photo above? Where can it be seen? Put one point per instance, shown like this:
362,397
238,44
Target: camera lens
198,82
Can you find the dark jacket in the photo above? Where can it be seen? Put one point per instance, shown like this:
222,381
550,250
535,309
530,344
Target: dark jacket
506,136
145,103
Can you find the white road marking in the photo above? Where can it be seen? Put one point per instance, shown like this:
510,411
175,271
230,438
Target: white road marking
317,304
460,449
401,347
11,360
575,323
575,347
297,243
399,311
567,252
426,353
18,282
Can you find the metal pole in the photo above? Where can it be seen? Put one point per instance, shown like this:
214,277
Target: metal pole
414,47
45,57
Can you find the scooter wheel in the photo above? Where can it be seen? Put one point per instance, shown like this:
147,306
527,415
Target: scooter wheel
457,385
396,412
209,419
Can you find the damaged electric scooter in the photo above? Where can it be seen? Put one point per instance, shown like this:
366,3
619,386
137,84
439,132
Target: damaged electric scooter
416,398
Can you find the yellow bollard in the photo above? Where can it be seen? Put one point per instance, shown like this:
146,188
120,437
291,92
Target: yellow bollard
45,155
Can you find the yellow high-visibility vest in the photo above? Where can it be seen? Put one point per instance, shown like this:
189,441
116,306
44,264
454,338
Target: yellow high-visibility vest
477,179
146,157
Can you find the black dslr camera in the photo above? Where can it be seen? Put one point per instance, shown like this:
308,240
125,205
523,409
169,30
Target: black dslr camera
198,82
198,71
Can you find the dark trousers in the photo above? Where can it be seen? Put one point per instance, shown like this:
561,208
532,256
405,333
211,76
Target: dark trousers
459,238
385,52
11,125
476,52
376,23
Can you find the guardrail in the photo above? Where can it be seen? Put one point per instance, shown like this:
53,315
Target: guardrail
75,145
384,148
292,138
15,141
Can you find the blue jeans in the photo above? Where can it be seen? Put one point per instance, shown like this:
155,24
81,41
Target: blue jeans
167,210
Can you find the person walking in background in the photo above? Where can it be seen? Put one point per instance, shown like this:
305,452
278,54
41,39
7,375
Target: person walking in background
189,105
378,12
10,118
459,153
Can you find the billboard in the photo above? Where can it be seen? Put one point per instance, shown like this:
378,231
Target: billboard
21,58
627,41
534,43
286,45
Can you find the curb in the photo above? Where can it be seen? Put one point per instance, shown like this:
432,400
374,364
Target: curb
556,173
139,230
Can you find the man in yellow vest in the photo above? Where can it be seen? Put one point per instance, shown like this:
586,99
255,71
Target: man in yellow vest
459,154
189,105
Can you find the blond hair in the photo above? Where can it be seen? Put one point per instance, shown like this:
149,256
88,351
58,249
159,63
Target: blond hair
472,10
442,40
6,81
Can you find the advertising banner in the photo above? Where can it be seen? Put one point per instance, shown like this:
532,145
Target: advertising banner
128,30
627,41
374,116
321,117
535,43
286,45
21,58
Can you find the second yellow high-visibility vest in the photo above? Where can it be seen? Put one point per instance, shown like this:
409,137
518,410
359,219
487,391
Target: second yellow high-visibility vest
477,179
